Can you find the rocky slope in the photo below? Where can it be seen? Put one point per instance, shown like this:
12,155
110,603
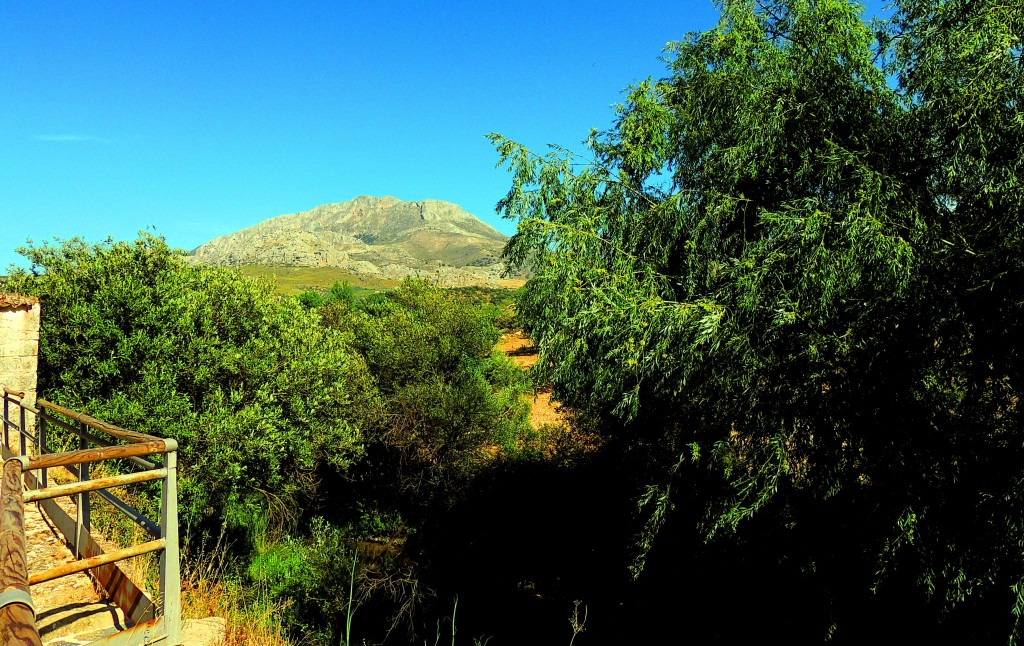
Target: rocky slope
369,236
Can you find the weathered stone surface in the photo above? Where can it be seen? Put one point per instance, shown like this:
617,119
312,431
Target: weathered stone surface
13,322
18,347
376,237
18,368
19,335
23,379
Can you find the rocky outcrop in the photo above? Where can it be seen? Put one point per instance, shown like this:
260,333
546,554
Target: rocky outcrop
369,236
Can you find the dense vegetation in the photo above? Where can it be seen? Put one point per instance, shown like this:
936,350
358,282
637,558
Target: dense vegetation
784,290
259,395
788,281
304,431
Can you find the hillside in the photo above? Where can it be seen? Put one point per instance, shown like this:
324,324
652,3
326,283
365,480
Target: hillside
378,238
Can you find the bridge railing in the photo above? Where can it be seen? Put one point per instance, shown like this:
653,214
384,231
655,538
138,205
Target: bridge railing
98,441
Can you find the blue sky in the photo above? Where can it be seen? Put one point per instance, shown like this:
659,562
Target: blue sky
201,118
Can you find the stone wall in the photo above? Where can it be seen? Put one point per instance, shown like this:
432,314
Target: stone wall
19,343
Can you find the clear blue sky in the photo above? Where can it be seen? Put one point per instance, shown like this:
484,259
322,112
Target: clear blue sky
201,118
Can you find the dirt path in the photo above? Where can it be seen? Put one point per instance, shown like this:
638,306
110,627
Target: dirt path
523,353
71,611
71,604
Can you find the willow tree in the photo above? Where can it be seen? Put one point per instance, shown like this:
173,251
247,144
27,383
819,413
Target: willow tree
795,263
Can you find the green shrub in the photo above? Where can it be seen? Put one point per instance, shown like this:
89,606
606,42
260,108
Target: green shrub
320,581
451,406
260,396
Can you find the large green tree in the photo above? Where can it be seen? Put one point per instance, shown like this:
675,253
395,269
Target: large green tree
452,406
795,263
261,397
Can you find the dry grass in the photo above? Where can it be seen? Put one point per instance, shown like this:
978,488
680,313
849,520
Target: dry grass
252,624
207,592
295,280
558,434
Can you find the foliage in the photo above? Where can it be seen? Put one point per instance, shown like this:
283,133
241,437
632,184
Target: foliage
369,411
340,292
311,580
451,403
310,299
796,263
258,394
500,298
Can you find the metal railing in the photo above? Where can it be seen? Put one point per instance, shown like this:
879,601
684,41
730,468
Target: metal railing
139,449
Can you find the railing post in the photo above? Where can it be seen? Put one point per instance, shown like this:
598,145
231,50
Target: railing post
7,421
170,576
82,524
21,423
17,618
41,444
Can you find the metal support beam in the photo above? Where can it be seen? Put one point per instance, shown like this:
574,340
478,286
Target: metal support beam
170,574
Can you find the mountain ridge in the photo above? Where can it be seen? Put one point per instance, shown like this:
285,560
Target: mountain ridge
379,237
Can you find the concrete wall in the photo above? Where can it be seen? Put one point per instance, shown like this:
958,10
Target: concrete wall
19,343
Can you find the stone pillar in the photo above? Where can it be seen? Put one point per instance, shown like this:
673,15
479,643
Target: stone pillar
19,343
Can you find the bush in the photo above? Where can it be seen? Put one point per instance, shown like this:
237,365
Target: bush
452,405
259,395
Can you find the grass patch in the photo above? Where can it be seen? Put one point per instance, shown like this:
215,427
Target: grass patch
295,280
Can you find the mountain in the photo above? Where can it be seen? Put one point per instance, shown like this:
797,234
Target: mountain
375,237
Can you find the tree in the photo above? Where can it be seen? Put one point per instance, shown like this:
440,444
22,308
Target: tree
796,263
452,405
259,395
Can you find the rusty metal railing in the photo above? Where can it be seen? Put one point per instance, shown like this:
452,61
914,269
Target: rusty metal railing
149,627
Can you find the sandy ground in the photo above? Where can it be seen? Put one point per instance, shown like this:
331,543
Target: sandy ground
521,350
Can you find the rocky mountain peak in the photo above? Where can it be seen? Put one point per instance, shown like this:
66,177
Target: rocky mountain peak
382,237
